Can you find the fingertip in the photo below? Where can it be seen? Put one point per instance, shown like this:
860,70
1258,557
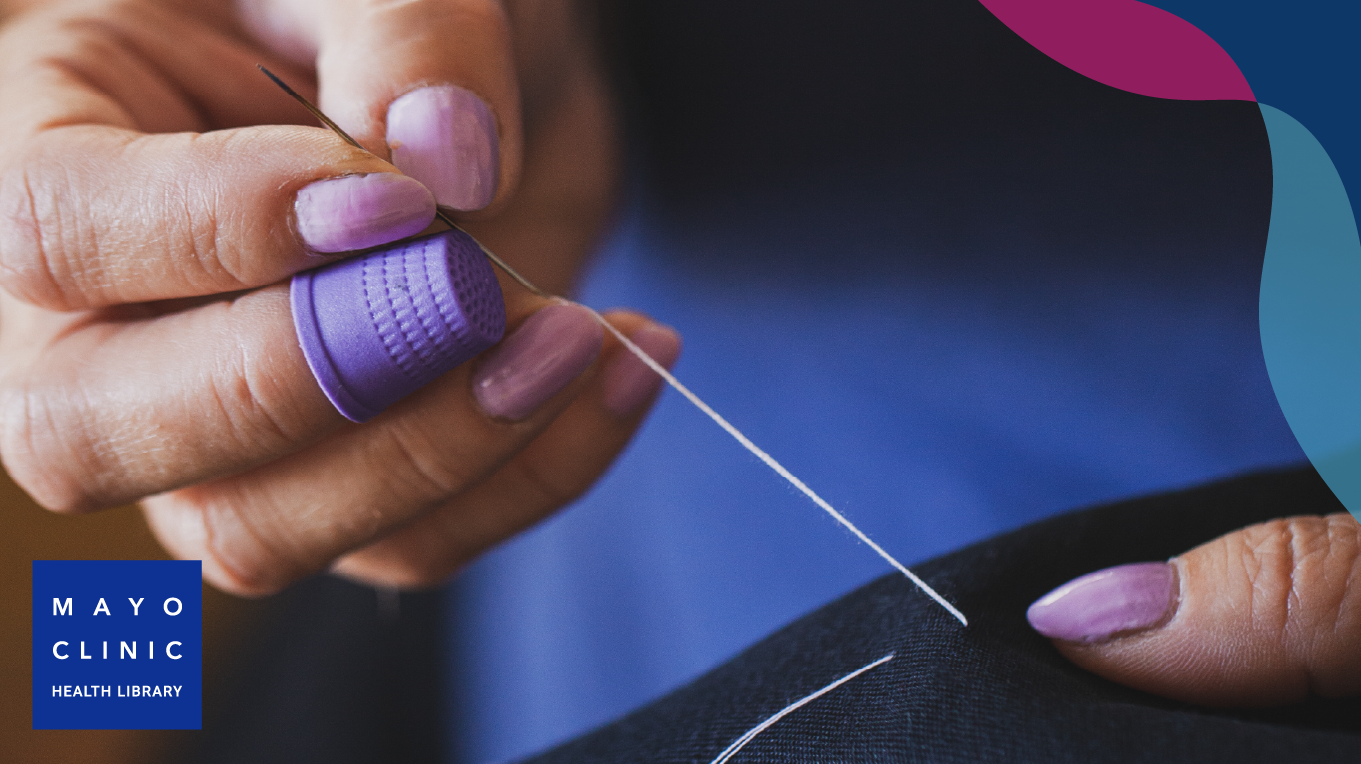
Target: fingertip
537,361
445,136
434,86
1099,606
361,211
1259,617
628,382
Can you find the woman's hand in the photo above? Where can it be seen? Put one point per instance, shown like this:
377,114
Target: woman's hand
1267,615
155,190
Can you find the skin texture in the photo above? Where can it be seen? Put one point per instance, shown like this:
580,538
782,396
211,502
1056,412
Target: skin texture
1264,616
148,179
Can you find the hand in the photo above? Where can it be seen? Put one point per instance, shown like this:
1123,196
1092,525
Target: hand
1267,615
155,190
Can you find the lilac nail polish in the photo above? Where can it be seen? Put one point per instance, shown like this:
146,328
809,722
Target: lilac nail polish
550,349
377,328
627,381
445,137
362,211
1108,602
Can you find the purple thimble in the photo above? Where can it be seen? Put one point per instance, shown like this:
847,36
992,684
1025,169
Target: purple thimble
379,327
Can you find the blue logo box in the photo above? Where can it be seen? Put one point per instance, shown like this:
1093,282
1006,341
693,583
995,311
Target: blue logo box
117,644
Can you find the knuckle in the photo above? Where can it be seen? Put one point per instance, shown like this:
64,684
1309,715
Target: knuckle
69,240
179,521
254,407
1306,597
184,212
1292,566
31,228
1266,554
212,227
549,491
249,544
35,455
248,583
237,556
429,472
1331,590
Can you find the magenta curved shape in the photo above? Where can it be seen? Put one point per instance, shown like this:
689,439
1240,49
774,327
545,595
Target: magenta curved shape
1127,45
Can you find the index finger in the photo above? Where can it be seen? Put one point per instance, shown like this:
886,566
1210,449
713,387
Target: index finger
430,83
93,211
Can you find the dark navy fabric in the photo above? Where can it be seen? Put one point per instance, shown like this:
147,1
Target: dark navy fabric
343,676
953,285
994,691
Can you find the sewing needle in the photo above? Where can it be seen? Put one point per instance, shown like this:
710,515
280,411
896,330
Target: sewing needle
665,374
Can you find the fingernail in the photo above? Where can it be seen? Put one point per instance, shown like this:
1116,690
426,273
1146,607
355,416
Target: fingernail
628,382
361,211
549,350
445,137
1107,603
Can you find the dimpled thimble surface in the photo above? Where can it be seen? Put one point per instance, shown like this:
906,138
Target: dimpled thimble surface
376,328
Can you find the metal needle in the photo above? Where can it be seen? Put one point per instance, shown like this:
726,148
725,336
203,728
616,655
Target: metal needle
440,212
665,374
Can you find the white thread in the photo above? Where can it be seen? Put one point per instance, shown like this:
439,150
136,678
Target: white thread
444,214
737,744
774,465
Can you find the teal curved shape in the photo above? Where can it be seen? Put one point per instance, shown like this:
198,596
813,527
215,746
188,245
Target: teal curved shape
1310,305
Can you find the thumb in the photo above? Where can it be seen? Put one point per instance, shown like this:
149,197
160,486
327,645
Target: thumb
429,83
1266,615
